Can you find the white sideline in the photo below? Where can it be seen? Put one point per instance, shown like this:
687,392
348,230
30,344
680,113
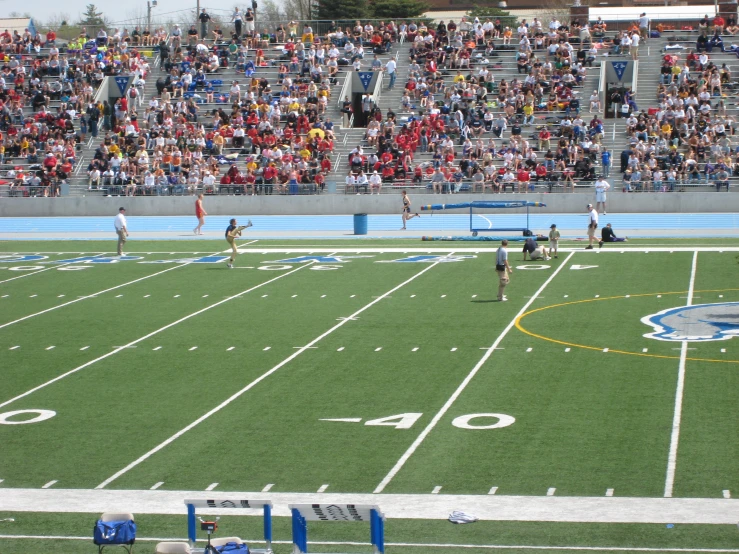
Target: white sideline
585,509
679,391
406,544
153,333
93,295
416,443
41,270
259,379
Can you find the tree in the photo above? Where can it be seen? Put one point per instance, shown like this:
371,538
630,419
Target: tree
343,9
398,9
486,11
92,17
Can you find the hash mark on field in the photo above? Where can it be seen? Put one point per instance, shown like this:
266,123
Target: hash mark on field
33,296
84,348
437,489
14,347
550,491
474,296
378,348
322,488
727,494
176,295
147,295
49,484
155,486
323,296
443,295
266,348
645,349
265,295
413,295
353,295
157,348
659,296
50,347
119,295
340,349
453,349
605,350
205,296
566,296
720,295
567,349
211,486
295,295
529,349
268,487
493,490
597,295
723,350
60,296
230,348
609,492
193,348
415,349
627,296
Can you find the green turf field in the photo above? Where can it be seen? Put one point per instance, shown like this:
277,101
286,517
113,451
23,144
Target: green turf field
171,371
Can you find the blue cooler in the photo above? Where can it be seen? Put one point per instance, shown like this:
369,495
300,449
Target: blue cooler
360,224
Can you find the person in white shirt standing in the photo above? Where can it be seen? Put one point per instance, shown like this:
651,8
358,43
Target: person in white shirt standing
390,69
121,229
601,187
635,38
592,226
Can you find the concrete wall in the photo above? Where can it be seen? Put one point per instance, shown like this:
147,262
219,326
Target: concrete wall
339,204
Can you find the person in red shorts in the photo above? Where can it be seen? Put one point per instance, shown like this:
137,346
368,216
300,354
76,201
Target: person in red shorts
200,213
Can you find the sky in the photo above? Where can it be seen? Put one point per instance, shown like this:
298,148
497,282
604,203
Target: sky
115,11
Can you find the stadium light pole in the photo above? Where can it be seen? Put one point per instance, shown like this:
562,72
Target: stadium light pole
149,5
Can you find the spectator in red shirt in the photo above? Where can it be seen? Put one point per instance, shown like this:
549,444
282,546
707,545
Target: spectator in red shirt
718,24
51,37
523,178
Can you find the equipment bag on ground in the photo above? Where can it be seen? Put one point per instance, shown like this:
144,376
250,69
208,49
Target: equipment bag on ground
114,532
233,548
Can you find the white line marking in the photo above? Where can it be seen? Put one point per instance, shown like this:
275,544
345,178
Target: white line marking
88,296
343,419
157,348
50,347
33,296
675,435
39,271
723,350
155,486
352,296
443,295
551,491
720,295
413,295
149,335
84,348
627,296
529,349
567,349
609,492
659,296
645,349
60,296
205,296
4,296
453,349
268,487
193,348
727,494
147,295
493,490
265,295
437,489
322,488
211,486
14,347
266,348
176,295
597,295
605,350
378,348
262,377
415,349
566,295
474,296
50,484
340,349
445,408
230,348
119,295
323,296
295,295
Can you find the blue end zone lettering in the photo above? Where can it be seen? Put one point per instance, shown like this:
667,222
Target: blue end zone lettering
12,259
318,259
203,260
429,259
209,259
101,260
699,323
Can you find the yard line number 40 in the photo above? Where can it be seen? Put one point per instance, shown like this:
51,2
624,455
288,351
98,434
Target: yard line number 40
407,420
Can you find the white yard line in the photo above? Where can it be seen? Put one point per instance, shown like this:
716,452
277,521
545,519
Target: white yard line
408,453
153,333
466,249
259,379
406,544
677,415
590,509
30,273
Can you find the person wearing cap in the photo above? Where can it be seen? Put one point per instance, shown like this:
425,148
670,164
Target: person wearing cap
601,187
553,241
592,225
533,250
503,269
121,229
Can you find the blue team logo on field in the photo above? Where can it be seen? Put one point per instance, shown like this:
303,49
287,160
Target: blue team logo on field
19,258
98,260
429,259
202,260
317,259
702,322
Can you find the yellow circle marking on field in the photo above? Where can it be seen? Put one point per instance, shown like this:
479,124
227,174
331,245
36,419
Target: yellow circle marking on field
610,350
